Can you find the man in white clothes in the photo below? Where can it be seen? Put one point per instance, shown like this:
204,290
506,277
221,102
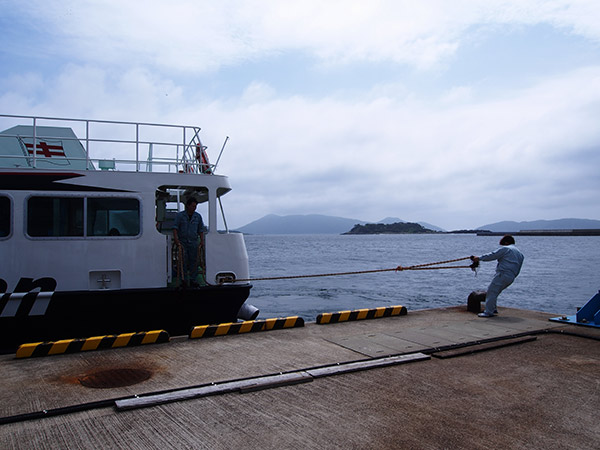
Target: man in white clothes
510,260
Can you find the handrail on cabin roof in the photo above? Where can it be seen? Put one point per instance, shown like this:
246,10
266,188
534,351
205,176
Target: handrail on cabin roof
185,162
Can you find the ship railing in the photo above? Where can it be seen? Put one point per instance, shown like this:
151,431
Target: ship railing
110,145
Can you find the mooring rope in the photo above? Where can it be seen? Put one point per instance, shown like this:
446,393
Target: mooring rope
426,266
180,272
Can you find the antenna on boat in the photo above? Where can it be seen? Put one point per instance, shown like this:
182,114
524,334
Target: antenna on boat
150,156
220,153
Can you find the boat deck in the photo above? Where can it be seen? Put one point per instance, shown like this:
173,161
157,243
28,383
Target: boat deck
441,378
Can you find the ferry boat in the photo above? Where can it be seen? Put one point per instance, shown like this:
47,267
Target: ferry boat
86,245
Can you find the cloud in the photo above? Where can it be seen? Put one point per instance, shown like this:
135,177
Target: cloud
201,36
467,154
92,92
444,162
451,163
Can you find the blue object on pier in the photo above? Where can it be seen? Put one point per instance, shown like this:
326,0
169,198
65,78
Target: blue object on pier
589,315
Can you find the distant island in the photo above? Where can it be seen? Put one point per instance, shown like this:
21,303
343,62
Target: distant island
392,228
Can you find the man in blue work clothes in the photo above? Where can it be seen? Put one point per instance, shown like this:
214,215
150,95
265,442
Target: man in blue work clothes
187,228
510,260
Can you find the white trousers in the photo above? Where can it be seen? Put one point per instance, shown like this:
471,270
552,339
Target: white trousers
500,282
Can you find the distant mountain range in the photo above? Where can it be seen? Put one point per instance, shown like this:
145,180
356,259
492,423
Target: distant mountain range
299,224
558,224
322,224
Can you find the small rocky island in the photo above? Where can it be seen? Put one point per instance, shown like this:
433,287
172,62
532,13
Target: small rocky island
392,228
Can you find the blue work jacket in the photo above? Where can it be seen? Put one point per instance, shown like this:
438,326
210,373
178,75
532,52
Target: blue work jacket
188,228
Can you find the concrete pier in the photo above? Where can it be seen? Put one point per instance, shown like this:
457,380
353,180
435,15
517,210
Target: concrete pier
431,379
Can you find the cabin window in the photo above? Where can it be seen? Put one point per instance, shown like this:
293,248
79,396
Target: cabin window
113,217
49,216
5,216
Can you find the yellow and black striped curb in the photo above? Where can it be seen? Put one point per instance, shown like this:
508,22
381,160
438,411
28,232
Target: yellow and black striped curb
248,326
361,314
92,343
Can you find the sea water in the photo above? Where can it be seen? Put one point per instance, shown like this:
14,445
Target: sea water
560,273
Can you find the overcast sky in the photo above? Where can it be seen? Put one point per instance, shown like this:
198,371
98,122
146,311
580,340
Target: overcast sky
458,113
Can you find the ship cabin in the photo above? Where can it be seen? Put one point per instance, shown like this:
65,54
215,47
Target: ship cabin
90,205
